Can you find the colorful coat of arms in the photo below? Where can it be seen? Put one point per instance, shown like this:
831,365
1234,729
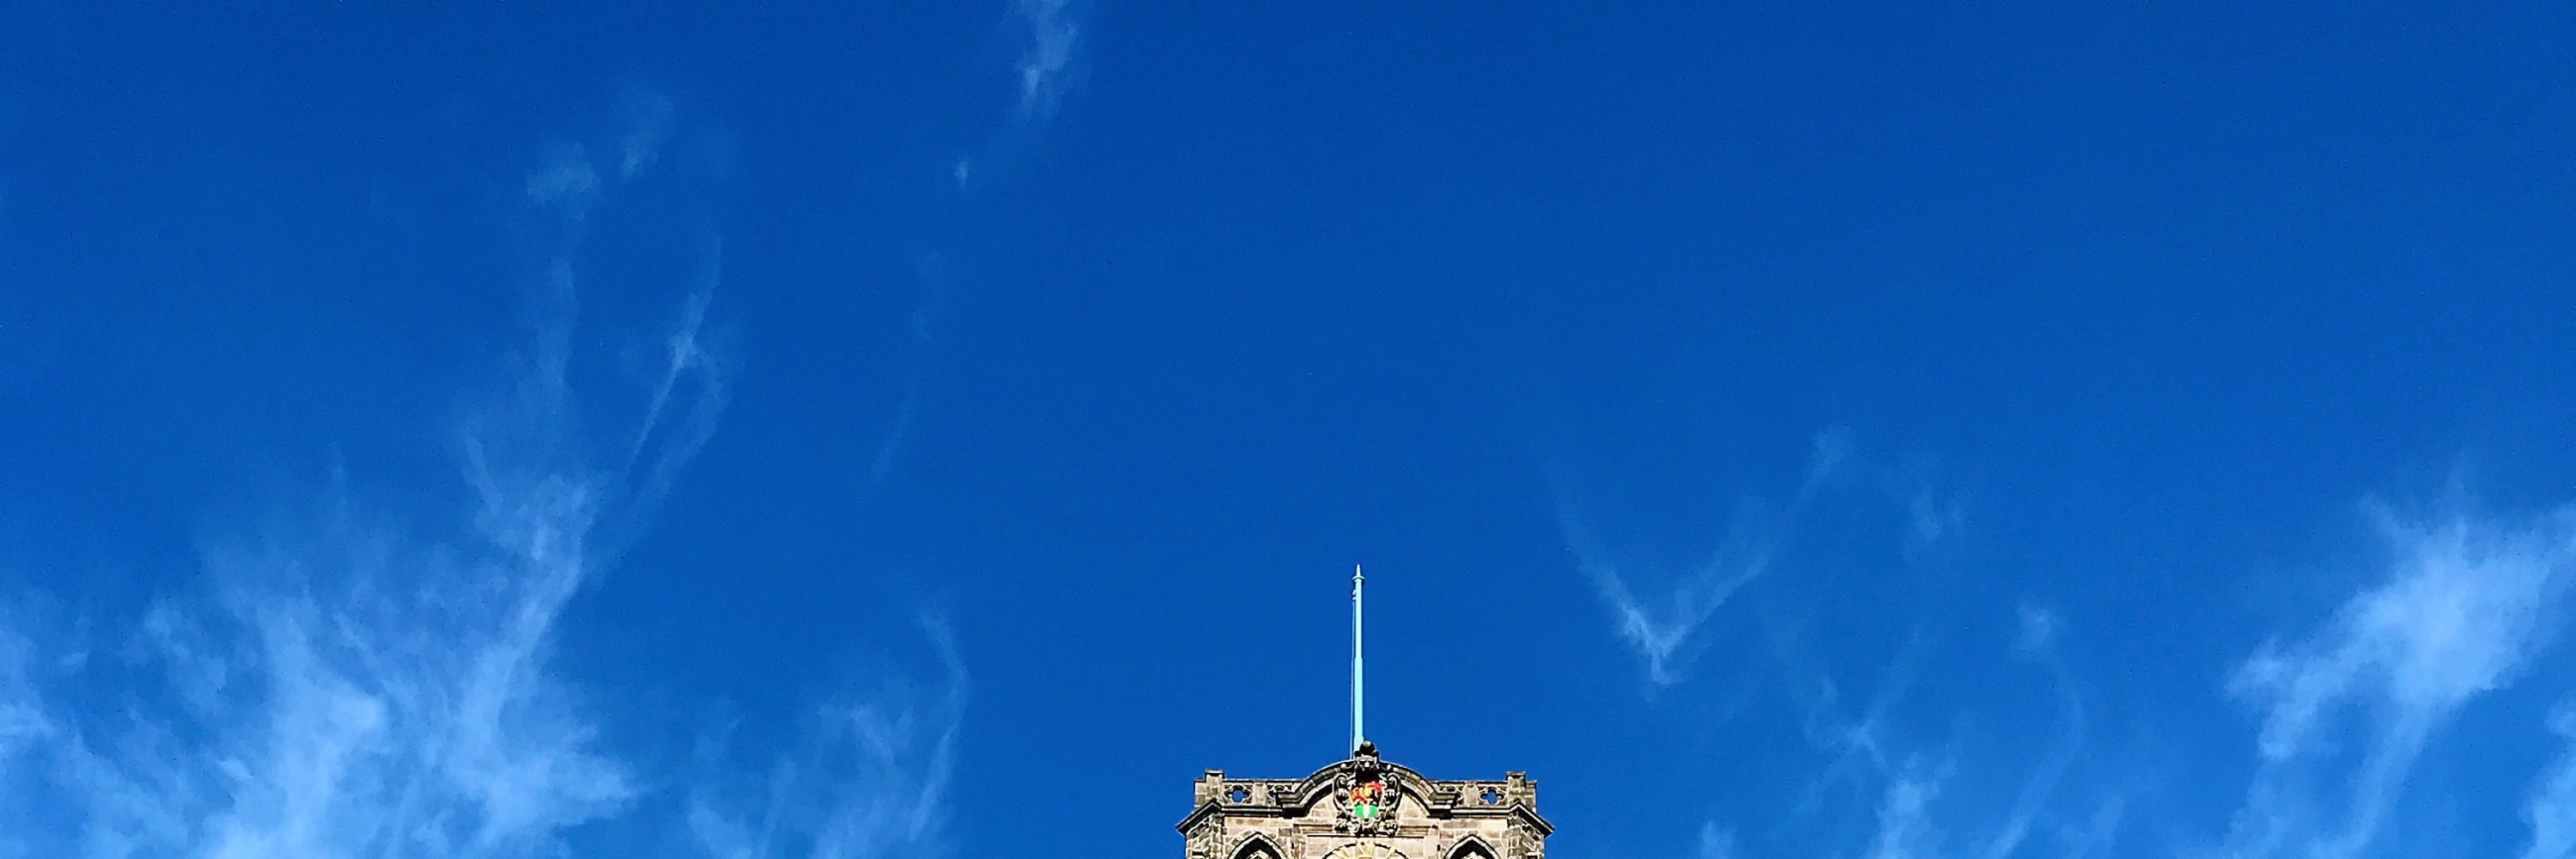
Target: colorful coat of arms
1368,799
1368,802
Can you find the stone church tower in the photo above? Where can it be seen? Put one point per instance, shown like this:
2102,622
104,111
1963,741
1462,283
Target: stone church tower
1364,808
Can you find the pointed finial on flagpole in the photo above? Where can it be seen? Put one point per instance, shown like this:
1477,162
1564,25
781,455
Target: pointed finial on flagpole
1359,736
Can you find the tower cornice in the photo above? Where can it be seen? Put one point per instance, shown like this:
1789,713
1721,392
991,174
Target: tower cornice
1515,796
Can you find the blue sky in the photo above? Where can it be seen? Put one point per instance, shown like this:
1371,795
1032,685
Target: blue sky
928,430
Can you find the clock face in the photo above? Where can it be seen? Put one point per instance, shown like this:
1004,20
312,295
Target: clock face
1365,850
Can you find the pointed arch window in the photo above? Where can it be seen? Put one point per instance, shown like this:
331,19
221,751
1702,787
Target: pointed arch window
1256,847
1471,848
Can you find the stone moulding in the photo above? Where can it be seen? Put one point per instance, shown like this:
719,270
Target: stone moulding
1297,801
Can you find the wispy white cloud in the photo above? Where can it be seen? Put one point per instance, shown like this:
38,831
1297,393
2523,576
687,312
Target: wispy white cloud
349,681
2037,641
2095,833
2347,709
898,429
1715,842
1931,518
693,376
2552,809
2459,613
930,268
1047,67
352,684
22,721
872,779
567,181
1908,784
1856,746
25,729
2462,608
1905,829
650,117
1664,628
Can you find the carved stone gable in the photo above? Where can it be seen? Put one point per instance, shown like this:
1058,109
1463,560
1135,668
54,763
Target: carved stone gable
1364,808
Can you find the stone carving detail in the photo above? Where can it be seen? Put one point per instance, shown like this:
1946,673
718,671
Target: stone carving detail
1364,801
1203,838
1525,844
1367,797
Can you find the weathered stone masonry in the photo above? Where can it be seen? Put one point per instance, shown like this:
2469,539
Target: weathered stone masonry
1364,808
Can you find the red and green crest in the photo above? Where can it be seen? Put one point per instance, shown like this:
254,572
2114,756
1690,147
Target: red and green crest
1368,800
1367,795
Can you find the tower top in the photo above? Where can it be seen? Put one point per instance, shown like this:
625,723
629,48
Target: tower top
1364,807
